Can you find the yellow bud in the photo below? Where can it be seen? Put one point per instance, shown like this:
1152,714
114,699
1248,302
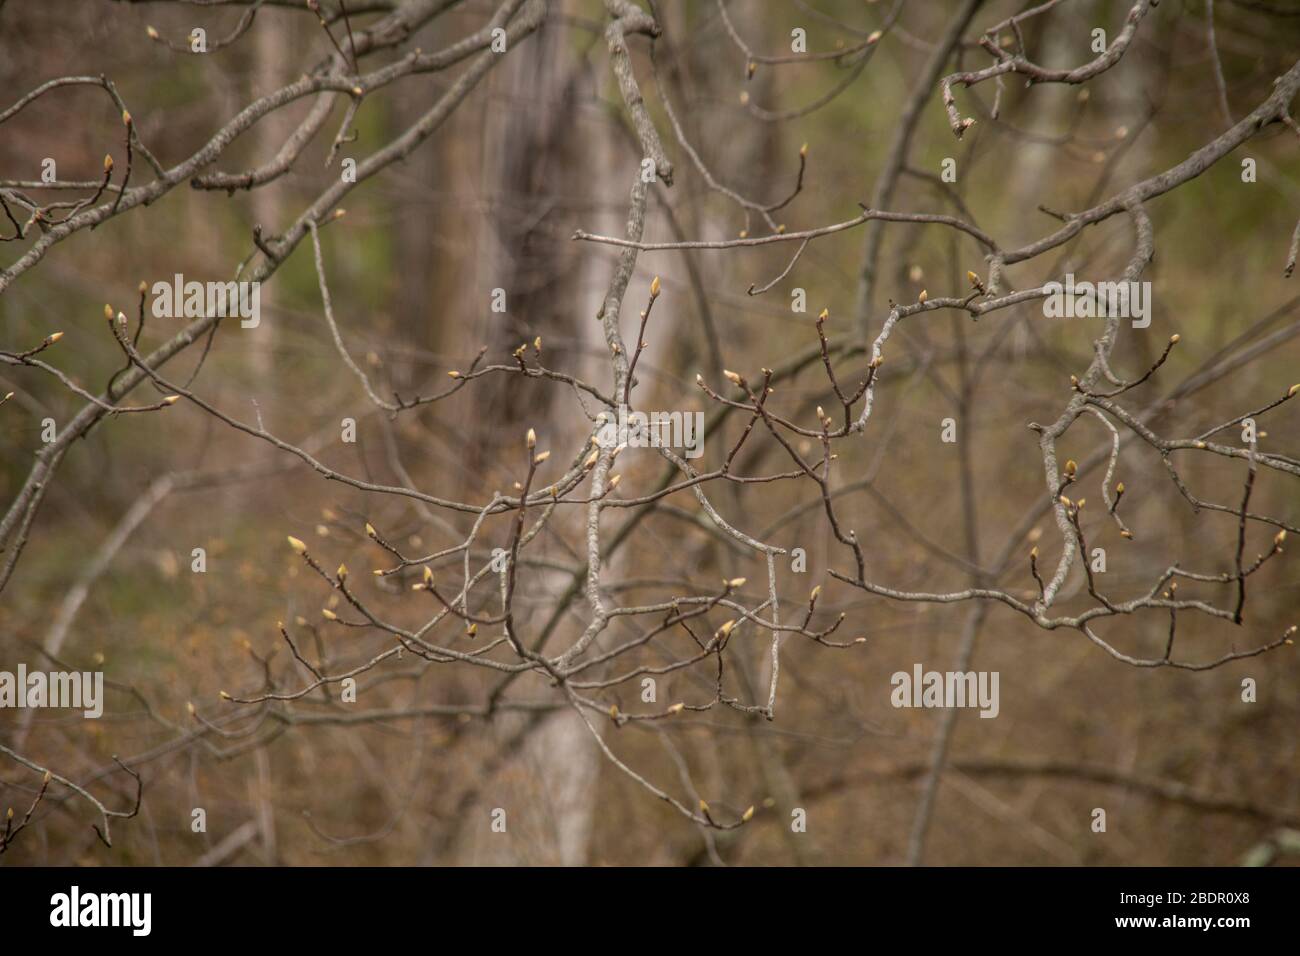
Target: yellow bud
343,572
224,696
328,614
126,118
974,279
532,438
1071,466
108,163
428,575
1293,389
1033,552
704,807
171,399
815,591
726,627
825,314
613,482
923,297
1279,537
874,36
370,530
152,33
454,374
731,376
108,312
803,150
676,708
1173,339
471,630
747,815
654,287
46,778
1119,488
54,337
297,545
613,711
189,707
541,458
736,582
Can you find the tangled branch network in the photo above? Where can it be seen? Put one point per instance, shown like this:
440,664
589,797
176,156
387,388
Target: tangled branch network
465,604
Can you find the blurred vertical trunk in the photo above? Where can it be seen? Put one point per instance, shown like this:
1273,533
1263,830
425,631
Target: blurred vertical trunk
267,73
532,151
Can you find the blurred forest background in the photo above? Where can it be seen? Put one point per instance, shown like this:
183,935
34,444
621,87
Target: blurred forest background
1187,771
